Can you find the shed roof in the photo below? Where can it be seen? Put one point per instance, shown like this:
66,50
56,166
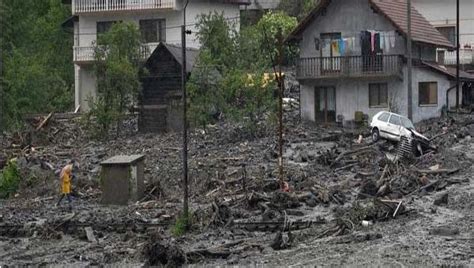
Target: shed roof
123,160
449,71
396,12
176,51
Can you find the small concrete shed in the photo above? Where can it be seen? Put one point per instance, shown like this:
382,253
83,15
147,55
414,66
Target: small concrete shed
122,179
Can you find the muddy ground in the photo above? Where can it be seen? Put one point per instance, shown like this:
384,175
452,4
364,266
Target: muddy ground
348,204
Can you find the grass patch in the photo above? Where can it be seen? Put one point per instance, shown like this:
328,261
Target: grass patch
181,225
9,179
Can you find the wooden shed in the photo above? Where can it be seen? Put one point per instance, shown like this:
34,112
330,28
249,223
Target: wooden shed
160,101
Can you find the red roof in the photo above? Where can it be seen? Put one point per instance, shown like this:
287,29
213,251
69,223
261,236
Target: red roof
422,31
396,12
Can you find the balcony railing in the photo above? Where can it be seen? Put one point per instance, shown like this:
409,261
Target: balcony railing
349,66
86,54
90,6
466,56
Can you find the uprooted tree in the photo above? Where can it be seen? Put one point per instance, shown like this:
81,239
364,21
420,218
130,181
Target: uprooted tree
116,66
233,77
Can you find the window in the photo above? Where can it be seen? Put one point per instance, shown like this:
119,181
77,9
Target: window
384,117
378,95
449,32
102,28
153,31
428,93
395,120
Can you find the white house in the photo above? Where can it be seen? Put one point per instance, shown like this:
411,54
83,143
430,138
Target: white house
158,20
353,61
442,15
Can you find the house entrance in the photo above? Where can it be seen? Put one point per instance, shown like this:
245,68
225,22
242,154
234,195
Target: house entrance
325,104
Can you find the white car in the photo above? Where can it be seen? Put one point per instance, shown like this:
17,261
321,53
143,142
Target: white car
393,126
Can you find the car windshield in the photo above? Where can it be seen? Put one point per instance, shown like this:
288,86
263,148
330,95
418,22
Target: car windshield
407,123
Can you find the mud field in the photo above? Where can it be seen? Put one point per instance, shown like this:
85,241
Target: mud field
349,203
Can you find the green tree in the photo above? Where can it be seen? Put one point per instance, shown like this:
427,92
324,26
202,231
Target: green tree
116,66
297,8
229,79
38,74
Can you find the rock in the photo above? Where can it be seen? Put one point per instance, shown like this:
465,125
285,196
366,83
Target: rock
311,202
281,241
441,200
90,234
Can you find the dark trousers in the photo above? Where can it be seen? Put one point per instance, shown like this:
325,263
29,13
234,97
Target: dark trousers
68,196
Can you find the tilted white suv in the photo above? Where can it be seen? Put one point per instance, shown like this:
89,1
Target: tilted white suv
393,126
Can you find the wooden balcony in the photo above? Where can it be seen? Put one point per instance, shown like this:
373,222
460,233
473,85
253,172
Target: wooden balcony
85,55
101,6
349,66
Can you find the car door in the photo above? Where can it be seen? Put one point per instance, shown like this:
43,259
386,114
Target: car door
393,127
382,124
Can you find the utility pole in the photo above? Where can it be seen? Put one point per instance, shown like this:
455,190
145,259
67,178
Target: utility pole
281,89
185,123
458,45
409,63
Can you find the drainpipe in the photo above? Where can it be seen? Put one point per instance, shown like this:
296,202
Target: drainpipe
447,96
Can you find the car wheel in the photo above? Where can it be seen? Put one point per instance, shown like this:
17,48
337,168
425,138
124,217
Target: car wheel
375,135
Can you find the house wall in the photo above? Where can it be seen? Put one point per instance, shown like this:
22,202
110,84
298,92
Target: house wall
349,18
87,30
87,89
262,4
353,95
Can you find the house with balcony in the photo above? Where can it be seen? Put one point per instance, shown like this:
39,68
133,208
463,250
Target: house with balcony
159,21
353,62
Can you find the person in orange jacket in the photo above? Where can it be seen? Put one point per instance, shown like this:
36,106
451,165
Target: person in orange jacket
65,177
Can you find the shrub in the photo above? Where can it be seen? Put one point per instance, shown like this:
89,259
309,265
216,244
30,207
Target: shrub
9,179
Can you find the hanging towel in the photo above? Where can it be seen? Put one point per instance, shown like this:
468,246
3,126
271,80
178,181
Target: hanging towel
392,39
381,40
372,41
387,41
342,47
335,47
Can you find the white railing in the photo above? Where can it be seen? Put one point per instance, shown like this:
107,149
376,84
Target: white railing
466,56
86,54
89,6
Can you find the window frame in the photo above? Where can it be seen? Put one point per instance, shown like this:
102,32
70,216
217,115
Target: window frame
384,114
399,120
160,30
419,94
378,88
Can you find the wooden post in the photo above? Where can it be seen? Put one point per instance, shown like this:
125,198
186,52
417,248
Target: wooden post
281,86
409,64
458,46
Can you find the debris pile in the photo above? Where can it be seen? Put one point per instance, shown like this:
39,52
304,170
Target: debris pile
339,183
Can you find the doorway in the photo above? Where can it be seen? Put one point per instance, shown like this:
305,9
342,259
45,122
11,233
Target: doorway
325,104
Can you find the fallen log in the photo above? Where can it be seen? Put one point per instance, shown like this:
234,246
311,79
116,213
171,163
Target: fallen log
437,171
351,152
44,122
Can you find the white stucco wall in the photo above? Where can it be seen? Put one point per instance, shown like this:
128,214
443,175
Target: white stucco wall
353,95
88,87
443,12
262,4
